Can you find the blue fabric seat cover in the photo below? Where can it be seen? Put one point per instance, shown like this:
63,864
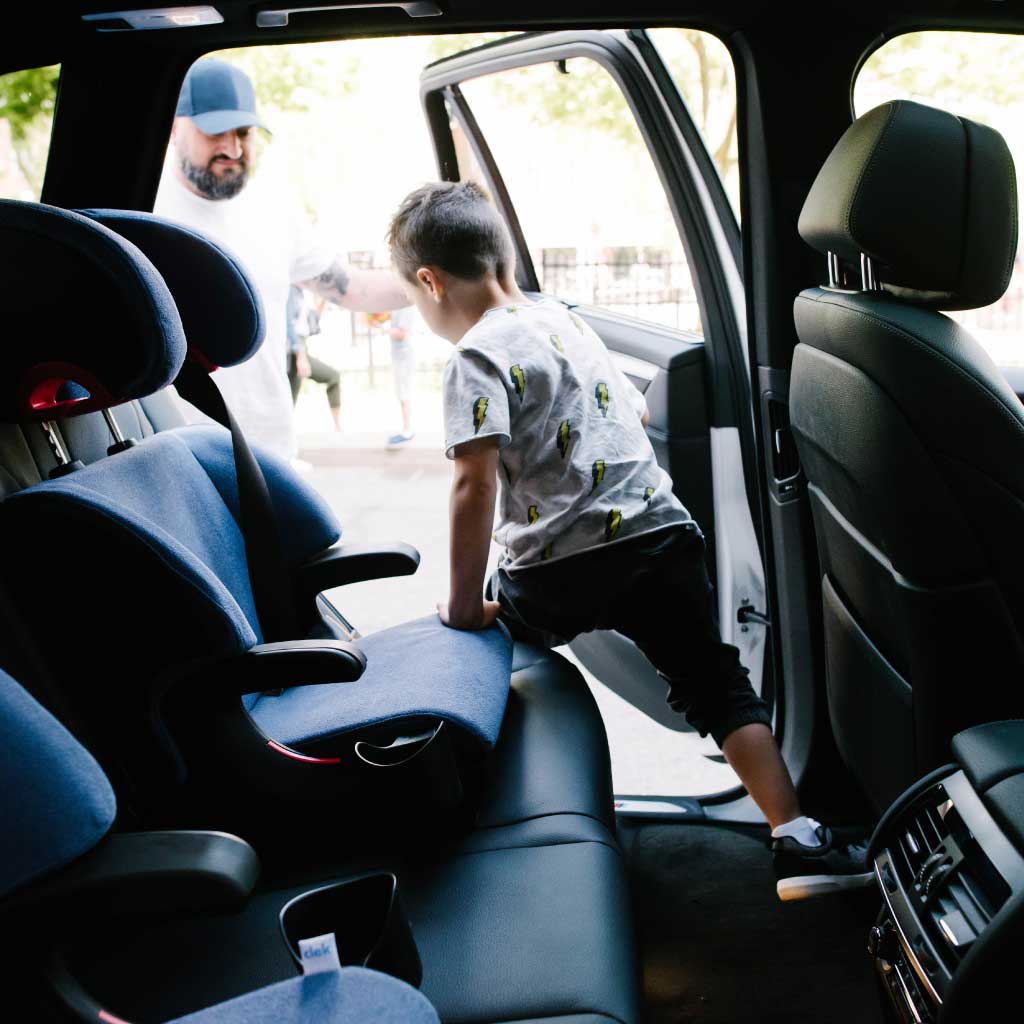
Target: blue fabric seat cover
219,305
176,495
353,995
417,668
67,282
57,804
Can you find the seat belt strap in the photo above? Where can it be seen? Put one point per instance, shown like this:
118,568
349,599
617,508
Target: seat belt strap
264,552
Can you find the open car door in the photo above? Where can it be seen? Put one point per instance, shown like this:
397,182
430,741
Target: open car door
616,209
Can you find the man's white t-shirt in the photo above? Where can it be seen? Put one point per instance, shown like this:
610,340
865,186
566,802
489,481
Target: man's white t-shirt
577,468
278,247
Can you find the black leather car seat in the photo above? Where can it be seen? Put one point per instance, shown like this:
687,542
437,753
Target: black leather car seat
911,440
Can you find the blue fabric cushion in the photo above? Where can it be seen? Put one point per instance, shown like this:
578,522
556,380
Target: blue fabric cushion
57,804
307,524
220,307
353,995
418,668
86,306
158,495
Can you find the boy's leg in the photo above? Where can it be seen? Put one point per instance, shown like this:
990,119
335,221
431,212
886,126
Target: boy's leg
672,619
752,752
670,615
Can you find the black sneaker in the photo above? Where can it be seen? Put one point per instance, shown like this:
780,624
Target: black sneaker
804,872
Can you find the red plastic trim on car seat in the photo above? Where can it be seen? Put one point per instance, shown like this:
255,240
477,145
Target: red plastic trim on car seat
198,357
296,756
109,1018
42,383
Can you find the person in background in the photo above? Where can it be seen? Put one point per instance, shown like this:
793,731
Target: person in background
404,327
303,323
209,186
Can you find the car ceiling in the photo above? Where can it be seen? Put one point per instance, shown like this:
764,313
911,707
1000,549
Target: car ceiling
42,32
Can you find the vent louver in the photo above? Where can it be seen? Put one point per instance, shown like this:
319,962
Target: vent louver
947,876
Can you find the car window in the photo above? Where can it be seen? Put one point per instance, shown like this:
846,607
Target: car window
706,79
27,101
980,76
585,189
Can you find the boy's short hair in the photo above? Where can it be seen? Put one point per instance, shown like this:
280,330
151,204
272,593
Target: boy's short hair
451,225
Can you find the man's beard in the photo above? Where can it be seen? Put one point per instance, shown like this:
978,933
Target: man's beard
214,186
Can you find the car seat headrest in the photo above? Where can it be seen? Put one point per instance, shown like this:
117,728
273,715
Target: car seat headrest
80,305
929,197
219,305
57,804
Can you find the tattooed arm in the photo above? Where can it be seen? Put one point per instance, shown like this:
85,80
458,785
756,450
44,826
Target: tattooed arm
371,291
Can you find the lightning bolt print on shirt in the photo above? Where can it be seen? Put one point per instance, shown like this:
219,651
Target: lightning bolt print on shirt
479,413
518,378
562,437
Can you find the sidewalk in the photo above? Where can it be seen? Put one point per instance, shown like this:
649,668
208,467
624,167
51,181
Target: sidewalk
368,418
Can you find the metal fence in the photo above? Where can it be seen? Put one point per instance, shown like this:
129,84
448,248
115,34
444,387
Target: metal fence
642,282
654,284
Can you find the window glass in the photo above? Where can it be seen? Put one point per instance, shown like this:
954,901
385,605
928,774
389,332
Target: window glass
588,197
706,79
27,101
980,76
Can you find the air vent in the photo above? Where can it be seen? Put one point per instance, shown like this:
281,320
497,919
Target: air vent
946,875
785,460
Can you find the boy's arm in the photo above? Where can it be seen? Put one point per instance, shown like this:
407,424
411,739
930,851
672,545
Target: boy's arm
471,507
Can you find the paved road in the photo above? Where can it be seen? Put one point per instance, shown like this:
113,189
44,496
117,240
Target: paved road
382,496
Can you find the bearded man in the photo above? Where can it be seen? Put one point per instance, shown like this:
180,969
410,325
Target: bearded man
207,187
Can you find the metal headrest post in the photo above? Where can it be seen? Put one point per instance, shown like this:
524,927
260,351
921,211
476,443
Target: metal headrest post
64,463
121,443
868,277
833,270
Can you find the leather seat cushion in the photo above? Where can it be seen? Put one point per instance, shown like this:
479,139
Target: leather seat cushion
552,751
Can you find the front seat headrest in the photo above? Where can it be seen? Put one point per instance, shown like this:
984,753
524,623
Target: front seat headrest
80,305
219,305
930,197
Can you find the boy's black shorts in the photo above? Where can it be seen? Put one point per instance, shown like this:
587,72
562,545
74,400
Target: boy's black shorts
655,590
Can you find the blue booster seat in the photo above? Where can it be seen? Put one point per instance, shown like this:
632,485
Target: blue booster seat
59,861
132,573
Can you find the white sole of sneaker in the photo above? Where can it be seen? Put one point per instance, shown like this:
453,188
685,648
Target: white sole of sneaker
808,887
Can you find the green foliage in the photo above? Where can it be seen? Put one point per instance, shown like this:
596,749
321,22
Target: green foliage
448,46
589,99
290,79
27,101
27,97
974,74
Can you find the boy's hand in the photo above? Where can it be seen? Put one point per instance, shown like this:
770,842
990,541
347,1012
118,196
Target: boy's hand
483,616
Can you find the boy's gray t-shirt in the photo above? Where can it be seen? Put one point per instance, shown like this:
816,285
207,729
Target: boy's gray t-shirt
577,469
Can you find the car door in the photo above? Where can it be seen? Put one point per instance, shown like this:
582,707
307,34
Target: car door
589,152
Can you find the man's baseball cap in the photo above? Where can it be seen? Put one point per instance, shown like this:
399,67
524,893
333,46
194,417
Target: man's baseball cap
218,97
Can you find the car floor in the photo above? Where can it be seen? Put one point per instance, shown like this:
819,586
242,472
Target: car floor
719,947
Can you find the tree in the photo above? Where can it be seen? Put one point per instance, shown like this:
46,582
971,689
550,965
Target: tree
581,93
27,101
292,79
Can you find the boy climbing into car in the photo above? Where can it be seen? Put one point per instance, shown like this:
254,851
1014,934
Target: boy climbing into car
594,537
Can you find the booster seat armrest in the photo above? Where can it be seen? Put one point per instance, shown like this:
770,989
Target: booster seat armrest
352,563
149,872
268,667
